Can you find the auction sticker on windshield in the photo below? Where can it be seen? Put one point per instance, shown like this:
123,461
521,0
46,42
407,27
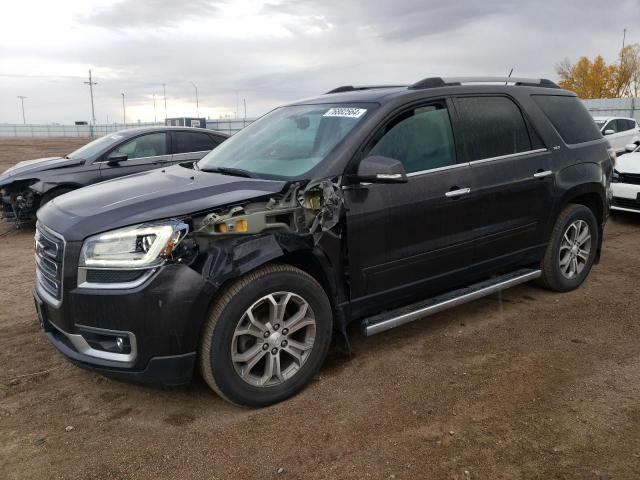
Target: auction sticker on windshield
345,112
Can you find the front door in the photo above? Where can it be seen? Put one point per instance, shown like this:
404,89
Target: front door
407,241
144,152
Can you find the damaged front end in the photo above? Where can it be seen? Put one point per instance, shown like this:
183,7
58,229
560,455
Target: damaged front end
19,202
301,226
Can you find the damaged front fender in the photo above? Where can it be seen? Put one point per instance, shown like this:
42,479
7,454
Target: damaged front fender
231,257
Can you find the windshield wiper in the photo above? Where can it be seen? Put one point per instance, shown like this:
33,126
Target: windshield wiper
236,172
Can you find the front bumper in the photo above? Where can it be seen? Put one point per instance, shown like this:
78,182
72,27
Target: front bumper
159,324
626,197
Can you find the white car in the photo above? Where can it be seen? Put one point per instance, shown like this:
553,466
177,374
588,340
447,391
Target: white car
619,131
625,184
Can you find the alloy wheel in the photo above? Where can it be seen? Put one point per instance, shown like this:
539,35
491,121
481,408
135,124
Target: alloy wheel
273,339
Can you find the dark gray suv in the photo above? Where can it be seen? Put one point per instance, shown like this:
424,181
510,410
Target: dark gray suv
378,205
30,184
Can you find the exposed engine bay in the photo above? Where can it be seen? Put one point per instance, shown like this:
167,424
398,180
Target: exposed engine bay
310,209
19,202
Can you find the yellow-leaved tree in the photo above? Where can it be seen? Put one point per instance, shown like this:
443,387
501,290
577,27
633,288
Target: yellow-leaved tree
595,79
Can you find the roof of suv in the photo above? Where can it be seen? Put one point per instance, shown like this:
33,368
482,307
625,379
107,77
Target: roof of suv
382,93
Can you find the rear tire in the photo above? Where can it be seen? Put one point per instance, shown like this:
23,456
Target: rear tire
266,336
571,250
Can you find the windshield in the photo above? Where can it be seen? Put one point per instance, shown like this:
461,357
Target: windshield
600,123
93,148
288,142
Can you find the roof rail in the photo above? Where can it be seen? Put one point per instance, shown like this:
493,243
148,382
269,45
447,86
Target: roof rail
434,82
351,88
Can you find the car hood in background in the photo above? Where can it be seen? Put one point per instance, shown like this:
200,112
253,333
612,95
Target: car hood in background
30,168
629,163
147,196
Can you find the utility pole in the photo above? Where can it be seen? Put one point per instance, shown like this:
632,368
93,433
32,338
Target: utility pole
244,102
91,83
155,117
22,97
124,112
164,93
237,105
197,106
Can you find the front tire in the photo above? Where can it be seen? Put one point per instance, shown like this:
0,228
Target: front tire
266,336
571,250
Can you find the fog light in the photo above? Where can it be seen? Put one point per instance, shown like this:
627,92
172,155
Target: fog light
120,343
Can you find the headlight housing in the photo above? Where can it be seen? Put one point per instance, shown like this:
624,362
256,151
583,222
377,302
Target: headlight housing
142,246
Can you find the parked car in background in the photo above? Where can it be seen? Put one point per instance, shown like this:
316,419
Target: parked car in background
625,184
29,185
380,205
619,131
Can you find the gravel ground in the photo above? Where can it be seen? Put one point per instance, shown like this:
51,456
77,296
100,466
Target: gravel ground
527,384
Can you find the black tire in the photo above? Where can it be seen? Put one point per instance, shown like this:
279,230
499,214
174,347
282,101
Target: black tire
552,275
51,194
215,353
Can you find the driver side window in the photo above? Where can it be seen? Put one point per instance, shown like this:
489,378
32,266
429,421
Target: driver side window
421,138
612,125
151,145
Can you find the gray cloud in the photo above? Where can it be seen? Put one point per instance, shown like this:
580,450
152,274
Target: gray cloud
330,43
151,13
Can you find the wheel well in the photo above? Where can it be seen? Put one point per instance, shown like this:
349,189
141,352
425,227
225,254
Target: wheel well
307,262
593,202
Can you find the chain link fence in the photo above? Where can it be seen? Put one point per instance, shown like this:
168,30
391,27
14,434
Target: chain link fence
88,131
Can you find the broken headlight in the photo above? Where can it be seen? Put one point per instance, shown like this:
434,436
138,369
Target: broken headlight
135,247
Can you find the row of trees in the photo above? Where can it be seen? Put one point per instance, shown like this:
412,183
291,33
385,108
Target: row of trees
595,79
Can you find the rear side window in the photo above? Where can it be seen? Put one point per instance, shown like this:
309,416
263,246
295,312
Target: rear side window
185,142
629,124
569,117
492,127
420,138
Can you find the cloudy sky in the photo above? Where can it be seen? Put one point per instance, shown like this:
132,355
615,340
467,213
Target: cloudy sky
275,51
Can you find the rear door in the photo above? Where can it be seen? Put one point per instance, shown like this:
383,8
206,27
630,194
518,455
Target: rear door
192,146
144,152
512,180
407,241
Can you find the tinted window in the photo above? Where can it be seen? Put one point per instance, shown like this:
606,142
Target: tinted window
185,142
629,124
150,145
493,126
421,139
569,117
612,125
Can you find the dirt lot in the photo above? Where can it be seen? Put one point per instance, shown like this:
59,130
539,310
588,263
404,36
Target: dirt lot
529,384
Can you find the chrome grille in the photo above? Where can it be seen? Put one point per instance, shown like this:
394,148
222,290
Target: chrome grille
49,252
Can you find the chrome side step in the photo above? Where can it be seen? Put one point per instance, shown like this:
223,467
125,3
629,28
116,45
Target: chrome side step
394,318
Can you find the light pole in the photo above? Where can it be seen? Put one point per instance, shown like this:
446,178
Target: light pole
124,112
155,117
91,83
164,93
197,106
22,97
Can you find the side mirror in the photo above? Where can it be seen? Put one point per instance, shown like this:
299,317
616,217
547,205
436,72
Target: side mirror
631,147
115,158
380,169
609,132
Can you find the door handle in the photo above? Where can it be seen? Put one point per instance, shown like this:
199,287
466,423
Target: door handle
542,174
457,193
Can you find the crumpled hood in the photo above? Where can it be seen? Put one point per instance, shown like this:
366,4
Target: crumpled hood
145,197
629,163
30,168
